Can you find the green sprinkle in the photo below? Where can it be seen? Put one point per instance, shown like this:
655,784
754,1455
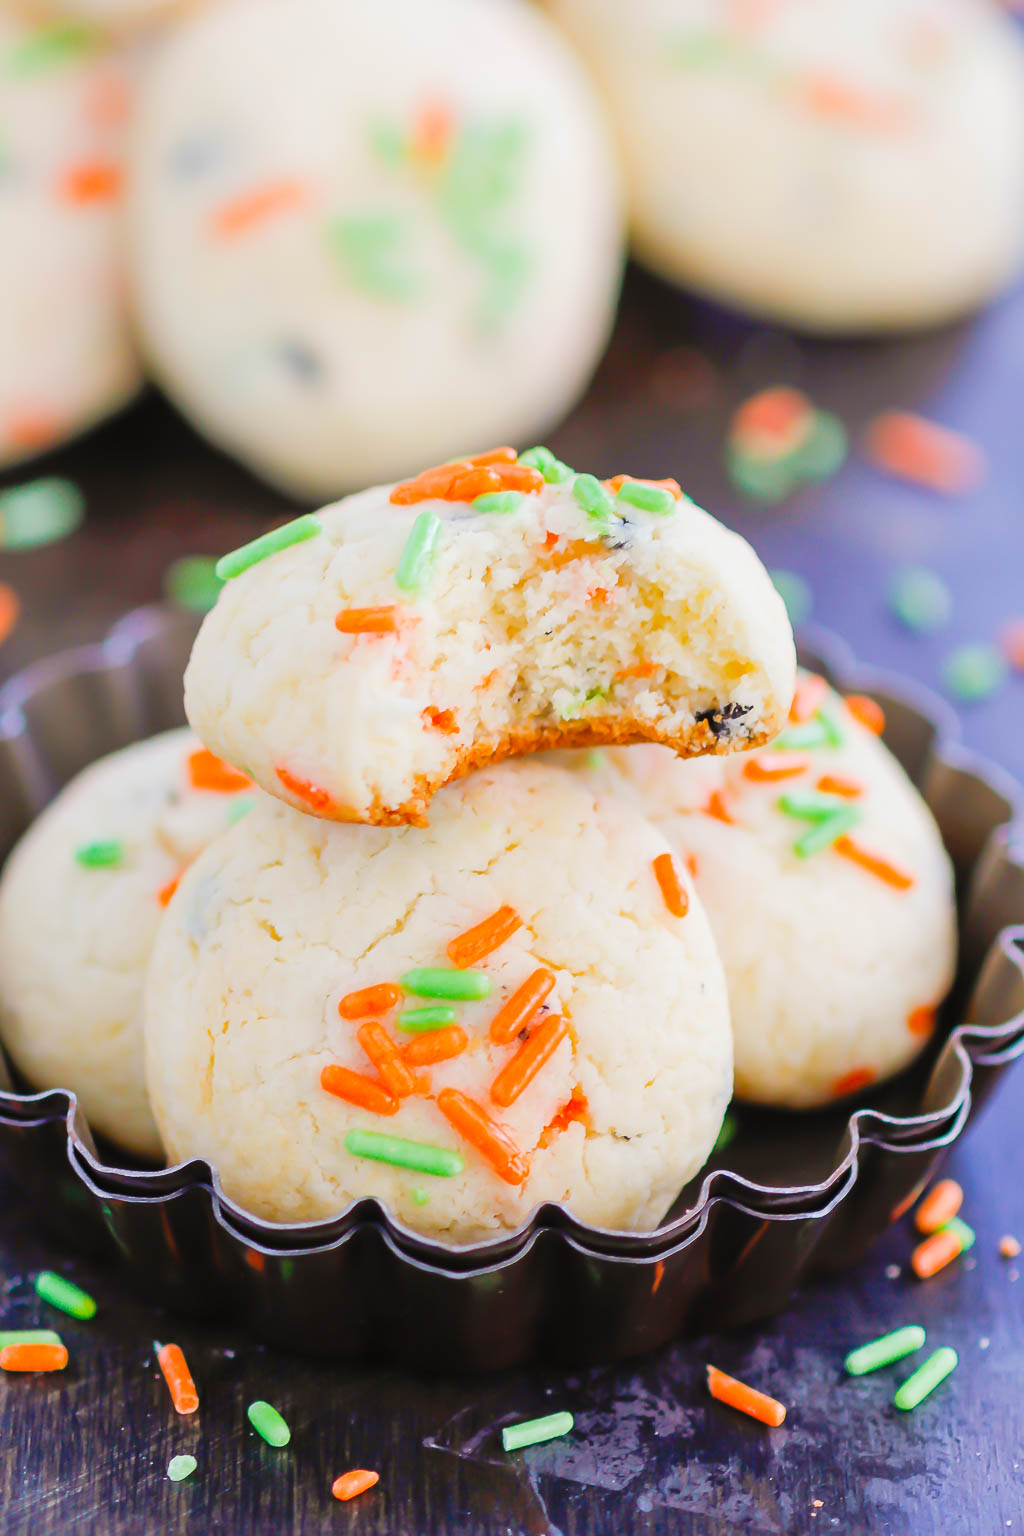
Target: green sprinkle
100,855
926,1378
239,809
965,1235
498,501
920,599
460,986
649,498
64,1295
48,46
811,806
824,451
29,1336
180,1467
796,595
389,144
830,725
418,554
295,532
535,1431
404,1154
419,1021
591,495
38,513
810,733
595,759
268,1423
763,479
727,1133
371,251
420,1197
824,833
884,1351
975,672
193,583
553,470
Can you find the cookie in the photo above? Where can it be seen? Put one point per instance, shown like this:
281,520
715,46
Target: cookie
463,1020
829,892
81,899
113,16
369,235
485,609
807,160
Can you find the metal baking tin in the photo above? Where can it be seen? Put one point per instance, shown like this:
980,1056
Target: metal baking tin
791,1195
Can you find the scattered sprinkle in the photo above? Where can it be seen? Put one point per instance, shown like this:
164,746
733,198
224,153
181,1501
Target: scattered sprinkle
165,893
767,768
647,497
779,441
515,1437
671,884
494,1143
1012,643
727,1133
974,672
483,939
105,854
921,1021
892,1271
10,1336
867,712
498,501
356,1088
370,1000
382,1051
208,771
534,1053
350,1484
518,1010
417,1021
458,985
253,208
414,563
318,800
810,692
920,599
10,610
401,1153
296,532
939,1206
193,583
40,512
43,47
435,1045
926,1378
941,1248
268,1423
64,1295
367,621
918,450
831,820
738,1395
852,1082
33,1357
591,496
837,784
553,470
180,1467
178,1377
91,181
795,593
1009,1247
874,863
884,1351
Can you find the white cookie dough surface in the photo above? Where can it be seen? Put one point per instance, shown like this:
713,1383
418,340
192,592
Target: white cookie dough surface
287,916
836,164
834,971
540,624
81,898
66,357
368,235
113,16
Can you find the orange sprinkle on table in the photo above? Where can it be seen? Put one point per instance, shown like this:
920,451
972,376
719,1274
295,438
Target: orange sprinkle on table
717,807
373,1000
921,1021
443,720
639,669
33,1357
870,714
1012,644
940,1205
387,1058
178,1377
575,1108
921,451
10,609
1009,1247
317,799
736,1394
836,784
935,1253
852,1082
534,1053
350,1484
517,1011
165,892
472,1122
367,621
355,1088
208,771
772,422
483,939
873,863
31,427
93,181
616,483
808,697
671,884
769,767
253,208
436,1045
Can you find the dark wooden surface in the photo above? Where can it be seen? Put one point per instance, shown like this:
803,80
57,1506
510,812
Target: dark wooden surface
651,1454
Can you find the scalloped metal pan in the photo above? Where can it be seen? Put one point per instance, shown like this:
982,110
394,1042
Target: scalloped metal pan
790,1195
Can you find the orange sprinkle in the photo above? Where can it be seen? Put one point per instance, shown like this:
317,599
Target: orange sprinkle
494,456
808,697
93,181
443,720
853,1082
870,714
33,1357
437,1045
356,1088
575,1108
939,1206
659,1275
317,799
600,597
836,784
873,863
772,422
520,477
31,427
518,1073
432,484
107,103
517,1011
471,946
671,884
367,621
470,483
252,208
10,608
472,1122
255,1260
550,539
178,1378
935,1253
921,451
165,892
640,669
207,771
370,1000
1009,1247
1012,644
433,132
692,865
769,767
386,1057
350,1484
717,807
921,1021
738,1395
616,483
828,96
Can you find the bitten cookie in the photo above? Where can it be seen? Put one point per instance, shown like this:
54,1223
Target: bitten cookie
484,609
510,1006
367,234
836,164
829,892
66,358
81,899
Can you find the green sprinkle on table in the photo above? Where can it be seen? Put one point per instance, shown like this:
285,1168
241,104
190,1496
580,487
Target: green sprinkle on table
920,599
456,985
795,593
193,583
29,1336
180,1467
975,672
40,512
648,498
825,449
926,1378
592,498
763,479
553,470
416,558
296,532
268,1423
420,1021
884,1351
107,854
515,1437
401,1153
965,1235
64,1295
498,501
